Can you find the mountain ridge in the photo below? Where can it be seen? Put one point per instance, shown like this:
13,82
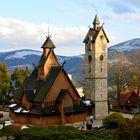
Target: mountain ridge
74,64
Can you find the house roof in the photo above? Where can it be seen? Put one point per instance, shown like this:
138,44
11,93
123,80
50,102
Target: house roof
36,90
130,97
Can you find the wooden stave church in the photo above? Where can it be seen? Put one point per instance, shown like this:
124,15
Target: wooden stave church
47,97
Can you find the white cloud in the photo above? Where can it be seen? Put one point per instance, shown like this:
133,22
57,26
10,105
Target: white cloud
125,17
17,34
120,6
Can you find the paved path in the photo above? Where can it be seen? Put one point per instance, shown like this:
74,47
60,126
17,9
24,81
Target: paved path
5,115
125,115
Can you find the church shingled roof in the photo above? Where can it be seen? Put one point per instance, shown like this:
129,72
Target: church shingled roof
37,110
61,95
48,43
43,59
38,88
93,33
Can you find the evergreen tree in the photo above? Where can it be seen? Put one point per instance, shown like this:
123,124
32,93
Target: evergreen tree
4,81
19,76
26,72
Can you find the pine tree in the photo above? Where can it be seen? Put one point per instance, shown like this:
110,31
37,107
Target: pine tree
19,76
4,81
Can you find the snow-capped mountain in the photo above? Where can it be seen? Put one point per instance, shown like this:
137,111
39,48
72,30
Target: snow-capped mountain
126,51
74,64
126,46
25,57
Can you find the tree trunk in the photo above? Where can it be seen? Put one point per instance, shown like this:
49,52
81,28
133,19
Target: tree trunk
118,94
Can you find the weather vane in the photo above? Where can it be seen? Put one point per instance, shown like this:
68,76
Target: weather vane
48,29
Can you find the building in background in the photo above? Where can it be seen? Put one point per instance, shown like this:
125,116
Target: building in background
96,59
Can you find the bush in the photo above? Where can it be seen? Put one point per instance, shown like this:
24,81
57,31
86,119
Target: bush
9,131
124,131
63,133
4,101
129,130
113,121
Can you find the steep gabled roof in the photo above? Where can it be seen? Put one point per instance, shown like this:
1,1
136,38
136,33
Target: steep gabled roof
71,83
38,88
51,77
130,97
48,43
43,58
94,34
61,95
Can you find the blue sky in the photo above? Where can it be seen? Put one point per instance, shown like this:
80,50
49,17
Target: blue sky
24,23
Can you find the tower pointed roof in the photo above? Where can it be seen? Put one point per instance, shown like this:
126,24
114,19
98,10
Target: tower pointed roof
48,43
96,20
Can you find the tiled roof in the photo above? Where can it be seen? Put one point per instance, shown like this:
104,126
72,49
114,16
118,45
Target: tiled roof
130,97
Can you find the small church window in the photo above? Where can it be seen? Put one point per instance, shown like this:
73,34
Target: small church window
101,57
101,36
101,69
89,58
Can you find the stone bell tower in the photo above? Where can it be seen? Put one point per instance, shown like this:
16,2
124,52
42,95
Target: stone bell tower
96,57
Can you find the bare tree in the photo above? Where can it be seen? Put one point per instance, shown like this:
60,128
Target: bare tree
118,76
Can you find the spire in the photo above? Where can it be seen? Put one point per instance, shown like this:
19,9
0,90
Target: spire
96,22
48,43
